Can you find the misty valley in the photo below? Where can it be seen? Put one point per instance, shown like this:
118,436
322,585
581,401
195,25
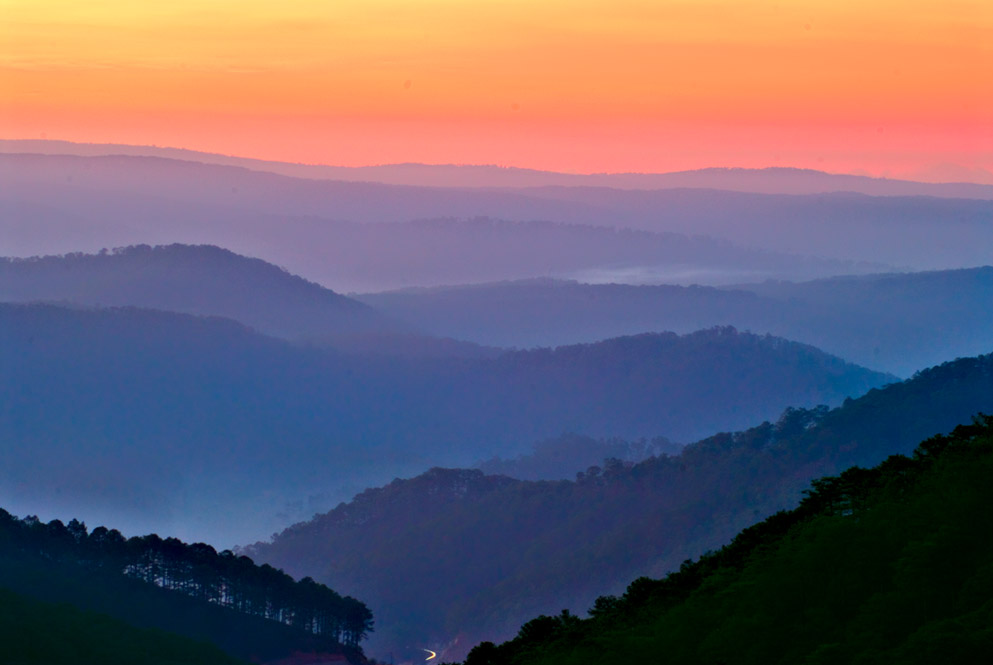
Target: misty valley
264,412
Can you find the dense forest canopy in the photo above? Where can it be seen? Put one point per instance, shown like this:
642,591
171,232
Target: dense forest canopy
876,565
149,575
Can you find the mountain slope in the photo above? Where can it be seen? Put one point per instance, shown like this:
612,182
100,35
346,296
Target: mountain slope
898,322
880,565
491,552
250,612
202,280
141,417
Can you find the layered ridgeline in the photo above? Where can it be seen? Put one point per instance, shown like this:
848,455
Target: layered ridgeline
454,557
202,280
320,229
141,418
248,611
896,322
774,180
557,458
892,564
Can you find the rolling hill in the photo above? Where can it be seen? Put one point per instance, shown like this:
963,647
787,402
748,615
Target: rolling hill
142,417
896,322
201,280
491,552
880,565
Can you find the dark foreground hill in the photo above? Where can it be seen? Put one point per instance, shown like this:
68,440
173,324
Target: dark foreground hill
250,612
202,280
141,418
888,565
453,557
37,633
896,322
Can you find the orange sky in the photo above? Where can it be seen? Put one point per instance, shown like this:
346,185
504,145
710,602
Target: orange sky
576,85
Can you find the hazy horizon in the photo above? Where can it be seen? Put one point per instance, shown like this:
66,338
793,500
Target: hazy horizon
517,331
936,173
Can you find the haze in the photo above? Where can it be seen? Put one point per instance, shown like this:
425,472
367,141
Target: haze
512,333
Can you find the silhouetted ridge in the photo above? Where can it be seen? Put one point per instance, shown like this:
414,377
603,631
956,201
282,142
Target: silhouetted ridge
771,179
190,589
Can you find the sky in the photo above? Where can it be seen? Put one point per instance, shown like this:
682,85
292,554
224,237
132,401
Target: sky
885,87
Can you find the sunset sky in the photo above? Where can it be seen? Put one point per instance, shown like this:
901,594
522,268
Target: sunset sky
898,87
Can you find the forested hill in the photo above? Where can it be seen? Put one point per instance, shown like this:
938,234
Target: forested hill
888,565
38,633
141,418
251,612
896,322
527,548
204,280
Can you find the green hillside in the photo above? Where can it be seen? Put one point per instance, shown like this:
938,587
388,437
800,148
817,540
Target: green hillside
492,552
892,564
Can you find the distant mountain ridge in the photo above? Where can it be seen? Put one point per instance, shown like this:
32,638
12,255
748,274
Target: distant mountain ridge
772,180
530,548
896,322
52,204
144,416
203,280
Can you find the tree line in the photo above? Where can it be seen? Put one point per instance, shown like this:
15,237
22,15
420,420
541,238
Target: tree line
196,570
888,564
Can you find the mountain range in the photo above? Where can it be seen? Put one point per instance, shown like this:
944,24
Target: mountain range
145,416
566,371
454,557
766,181
322,229
896,322
893,322
202,280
